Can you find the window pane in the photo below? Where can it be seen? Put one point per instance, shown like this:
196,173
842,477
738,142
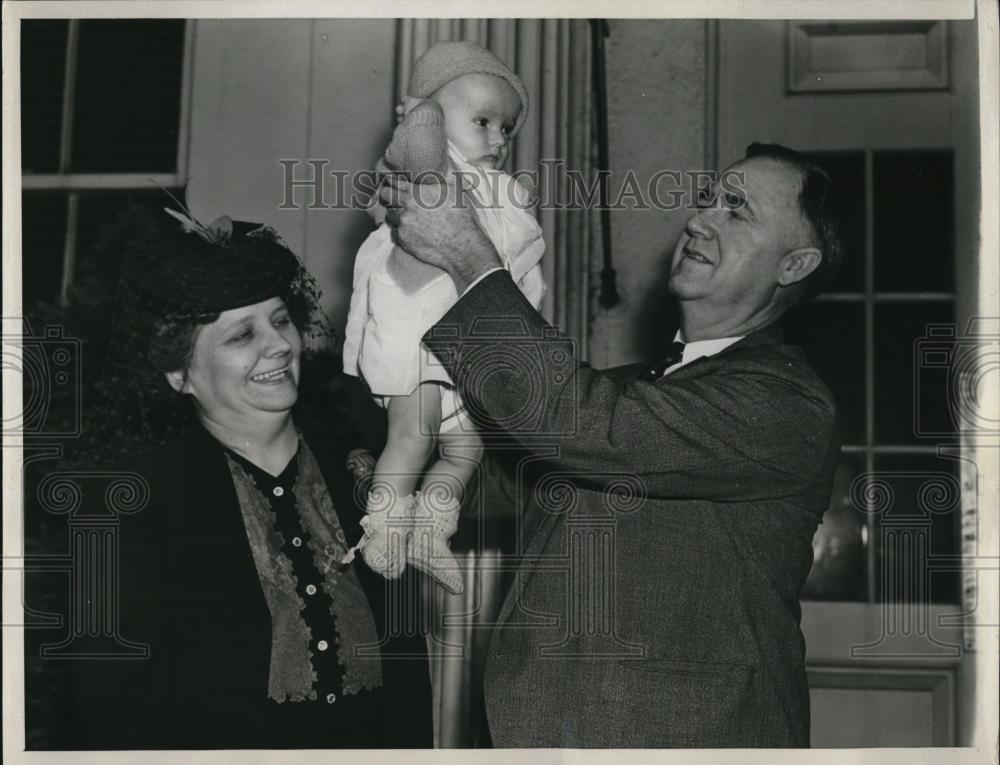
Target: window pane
847,169
99,229
908,402
918,529
914,221
43,239
832,337
128,89
839,570
43,63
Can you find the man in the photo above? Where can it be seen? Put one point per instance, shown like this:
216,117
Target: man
731,445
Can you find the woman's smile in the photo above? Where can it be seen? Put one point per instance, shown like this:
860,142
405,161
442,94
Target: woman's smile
272,377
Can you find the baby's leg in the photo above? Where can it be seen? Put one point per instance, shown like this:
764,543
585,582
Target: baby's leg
436,512
413,424
459,453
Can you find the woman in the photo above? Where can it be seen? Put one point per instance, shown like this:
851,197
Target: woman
259,636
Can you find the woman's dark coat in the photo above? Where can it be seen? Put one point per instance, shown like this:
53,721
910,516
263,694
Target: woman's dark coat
189,589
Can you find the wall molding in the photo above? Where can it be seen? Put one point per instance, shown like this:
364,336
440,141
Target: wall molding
939,682
864,55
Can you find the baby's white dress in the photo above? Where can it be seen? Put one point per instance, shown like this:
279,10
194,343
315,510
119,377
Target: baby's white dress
385,325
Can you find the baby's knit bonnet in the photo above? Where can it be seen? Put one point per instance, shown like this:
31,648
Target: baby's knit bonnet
447,61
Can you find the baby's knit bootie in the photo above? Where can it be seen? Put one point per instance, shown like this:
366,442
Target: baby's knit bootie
387,525
433,524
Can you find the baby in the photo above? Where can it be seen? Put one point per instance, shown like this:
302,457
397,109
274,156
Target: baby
463,108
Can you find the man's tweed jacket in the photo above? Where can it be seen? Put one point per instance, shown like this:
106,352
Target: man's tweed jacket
666,534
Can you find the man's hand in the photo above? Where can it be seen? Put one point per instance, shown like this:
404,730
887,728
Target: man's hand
436,224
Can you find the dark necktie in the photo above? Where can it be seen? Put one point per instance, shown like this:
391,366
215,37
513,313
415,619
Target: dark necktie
655,370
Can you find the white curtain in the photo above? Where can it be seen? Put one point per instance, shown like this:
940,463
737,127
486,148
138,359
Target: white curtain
552,57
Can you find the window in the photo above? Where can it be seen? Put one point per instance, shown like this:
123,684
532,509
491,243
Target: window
102,125
894,512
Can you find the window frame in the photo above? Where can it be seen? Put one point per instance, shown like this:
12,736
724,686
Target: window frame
870,297
75,183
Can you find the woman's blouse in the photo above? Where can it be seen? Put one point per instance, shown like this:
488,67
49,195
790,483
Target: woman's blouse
324,645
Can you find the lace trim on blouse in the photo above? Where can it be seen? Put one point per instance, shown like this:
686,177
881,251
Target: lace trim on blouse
292,676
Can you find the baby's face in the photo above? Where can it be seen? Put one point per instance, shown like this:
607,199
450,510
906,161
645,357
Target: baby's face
479,112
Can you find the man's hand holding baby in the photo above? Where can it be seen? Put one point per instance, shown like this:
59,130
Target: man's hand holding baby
437,225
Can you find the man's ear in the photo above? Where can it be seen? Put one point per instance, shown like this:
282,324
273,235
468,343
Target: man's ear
798,264
177,380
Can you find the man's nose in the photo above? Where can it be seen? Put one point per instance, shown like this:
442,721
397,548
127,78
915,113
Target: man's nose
700,224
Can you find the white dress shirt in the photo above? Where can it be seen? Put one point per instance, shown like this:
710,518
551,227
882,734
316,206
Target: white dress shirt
698,348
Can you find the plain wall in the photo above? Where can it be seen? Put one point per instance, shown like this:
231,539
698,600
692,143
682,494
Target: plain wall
657,107
265,90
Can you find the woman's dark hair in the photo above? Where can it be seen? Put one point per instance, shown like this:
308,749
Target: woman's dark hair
172,341
822,206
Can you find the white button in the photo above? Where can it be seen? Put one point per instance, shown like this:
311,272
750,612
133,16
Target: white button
278,491
297,541
330,698
322,645
310,589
